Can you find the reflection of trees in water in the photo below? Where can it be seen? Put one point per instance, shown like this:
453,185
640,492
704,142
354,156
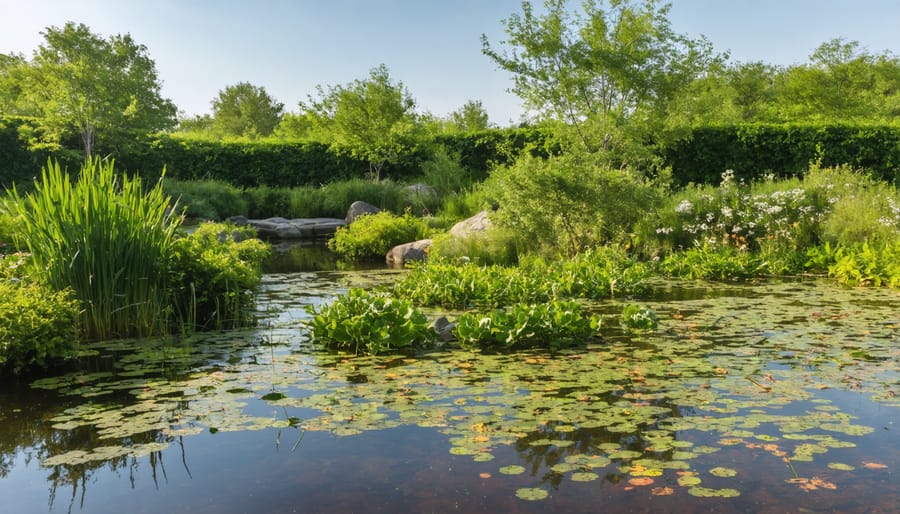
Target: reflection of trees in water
30,433
589,441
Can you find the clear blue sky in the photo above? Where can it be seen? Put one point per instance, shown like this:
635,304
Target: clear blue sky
432,46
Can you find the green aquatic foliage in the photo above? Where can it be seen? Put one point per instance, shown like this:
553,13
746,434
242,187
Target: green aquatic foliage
37,325
550,325
595,274
714,262
214,273
865,264
105,238
639,317
373,235
362,322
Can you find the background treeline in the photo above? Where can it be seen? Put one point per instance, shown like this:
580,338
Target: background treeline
752,150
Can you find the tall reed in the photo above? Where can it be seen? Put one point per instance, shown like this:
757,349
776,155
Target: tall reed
108,240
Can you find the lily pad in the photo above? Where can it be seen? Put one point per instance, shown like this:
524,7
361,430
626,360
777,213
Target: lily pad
532,493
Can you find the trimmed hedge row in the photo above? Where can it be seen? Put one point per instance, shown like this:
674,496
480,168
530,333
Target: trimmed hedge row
752,150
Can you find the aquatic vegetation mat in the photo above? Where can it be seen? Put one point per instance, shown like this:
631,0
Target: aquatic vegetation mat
772,375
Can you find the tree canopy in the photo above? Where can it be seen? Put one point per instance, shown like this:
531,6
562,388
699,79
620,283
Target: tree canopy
611,62
245,110
373,118
105,90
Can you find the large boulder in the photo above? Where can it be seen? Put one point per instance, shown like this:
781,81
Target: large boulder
359,208
298,228
415,251
474,225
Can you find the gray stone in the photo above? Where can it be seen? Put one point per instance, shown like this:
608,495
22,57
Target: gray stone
476,224
444,329
415,251
420,191
360,208
298,228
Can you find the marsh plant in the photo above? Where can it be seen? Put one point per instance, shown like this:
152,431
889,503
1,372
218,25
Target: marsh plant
107,240
364,322
639,318
551,325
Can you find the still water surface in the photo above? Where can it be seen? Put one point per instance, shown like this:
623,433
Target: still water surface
773,397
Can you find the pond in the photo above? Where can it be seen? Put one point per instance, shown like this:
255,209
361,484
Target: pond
769,397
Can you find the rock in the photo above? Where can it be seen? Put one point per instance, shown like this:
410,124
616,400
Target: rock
298,228
415,251
420,191
444,329
359,208
476,224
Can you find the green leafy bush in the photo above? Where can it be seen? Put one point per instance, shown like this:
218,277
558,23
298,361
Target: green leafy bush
372,235
37,325
7,228
362,322
104,238
552,325
568,203
214,273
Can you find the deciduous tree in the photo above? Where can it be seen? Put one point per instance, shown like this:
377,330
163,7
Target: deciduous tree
106,90
245,110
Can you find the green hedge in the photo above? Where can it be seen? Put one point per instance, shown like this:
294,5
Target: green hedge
752,150
480,151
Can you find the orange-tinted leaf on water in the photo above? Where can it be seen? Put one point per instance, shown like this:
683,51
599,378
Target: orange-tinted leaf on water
640,481
662,491
484,475
873,465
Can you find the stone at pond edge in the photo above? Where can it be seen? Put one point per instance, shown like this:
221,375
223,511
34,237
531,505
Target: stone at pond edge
415,251
360,208
298,228
476,224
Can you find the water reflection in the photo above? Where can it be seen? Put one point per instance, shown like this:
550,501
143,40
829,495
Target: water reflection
780,382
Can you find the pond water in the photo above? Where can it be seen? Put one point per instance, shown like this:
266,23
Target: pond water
771,397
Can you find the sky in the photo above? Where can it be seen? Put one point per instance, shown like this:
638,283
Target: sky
433,47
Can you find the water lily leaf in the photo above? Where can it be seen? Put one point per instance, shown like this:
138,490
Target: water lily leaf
531,493
703,492
688,481
512,470
722,472
584,476
840,466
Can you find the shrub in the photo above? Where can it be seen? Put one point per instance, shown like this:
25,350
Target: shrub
7,228
362,322
551,325
372,235
214,272
104,238
37,325
445,174
569,203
